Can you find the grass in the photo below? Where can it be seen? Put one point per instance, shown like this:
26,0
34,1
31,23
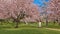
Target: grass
51,25
28,29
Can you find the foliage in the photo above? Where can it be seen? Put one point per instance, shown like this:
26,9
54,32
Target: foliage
19,10
27,30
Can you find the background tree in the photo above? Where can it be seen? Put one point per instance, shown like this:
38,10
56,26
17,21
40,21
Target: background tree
19,9
45,12
55,10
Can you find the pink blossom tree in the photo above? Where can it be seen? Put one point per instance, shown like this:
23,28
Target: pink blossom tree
19,9
55,10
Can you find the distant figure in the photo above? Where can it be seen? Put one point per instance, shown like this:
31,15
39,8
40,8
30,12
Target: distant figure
40,23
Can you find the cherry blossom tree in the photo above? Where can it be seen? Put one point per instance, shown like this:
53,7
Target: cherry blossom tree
55,10
19,10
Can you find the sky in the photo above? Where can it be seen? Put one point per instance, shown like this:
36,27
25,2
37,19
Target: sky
40,2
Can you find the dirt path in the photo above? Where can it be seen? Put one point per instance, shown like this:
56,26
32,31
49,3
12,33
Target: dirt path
53,29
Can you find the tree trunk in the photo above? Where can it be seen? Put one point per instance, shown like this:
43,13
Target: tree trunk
59,21
26,22
54,21
46,22
16,25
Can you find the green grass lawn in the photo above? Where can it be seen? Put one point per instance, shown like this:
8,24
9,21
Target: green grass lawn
51,25
27,29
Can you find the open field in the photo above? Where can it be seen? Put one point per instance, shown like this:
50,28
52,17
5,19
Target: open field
28,29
